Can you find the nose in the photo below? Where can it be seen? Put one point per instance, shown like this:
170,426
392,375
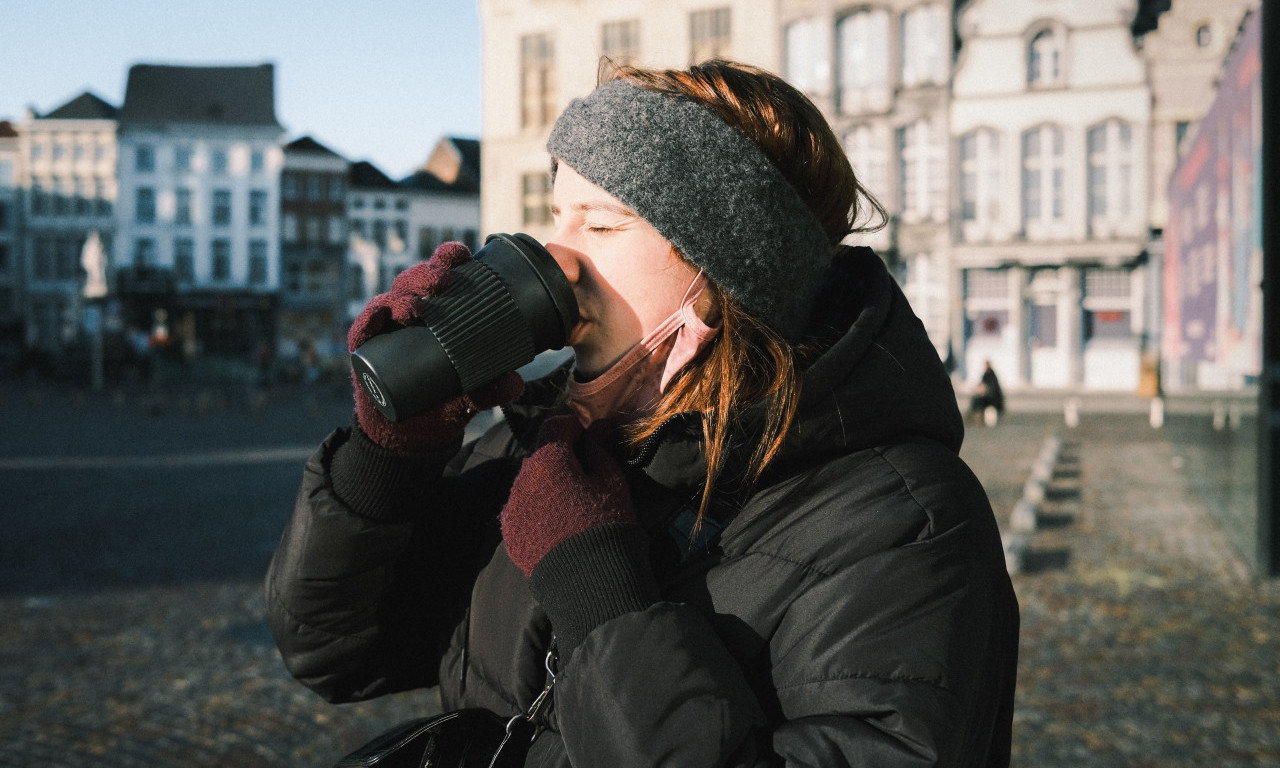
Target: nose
566,258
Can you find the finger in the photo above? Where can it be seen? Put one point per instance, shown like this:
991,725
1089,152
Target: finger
504,389
559,429
372,321
451,254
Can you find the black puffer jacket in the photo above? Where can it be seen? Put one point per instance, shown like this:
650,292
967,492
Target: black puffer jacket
854,608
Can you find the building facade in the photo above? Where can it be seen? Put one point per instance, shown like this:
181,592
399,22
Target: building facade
197,247
537,56
66,177
10,274
881,74
1051,115
313,247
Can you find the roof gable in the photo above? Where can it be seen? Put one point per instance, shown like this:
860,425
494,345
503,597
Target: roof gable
206,95
86,106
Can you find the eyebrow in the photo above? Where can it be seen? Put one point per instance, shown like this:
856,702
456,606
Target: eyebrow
603,205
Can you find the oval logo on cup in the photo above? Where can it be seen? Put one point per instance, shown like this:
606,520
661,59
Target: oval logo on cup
371,387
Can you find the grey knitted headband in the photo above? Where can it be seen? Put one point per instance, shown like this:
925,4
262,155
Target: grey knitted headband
707,188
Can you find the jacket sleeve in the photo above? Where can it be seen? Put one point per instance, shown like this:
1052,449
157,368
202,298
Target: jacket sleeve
366,585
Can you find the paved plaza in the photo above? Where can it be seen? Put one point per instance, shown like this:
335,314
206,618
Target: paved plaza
138,526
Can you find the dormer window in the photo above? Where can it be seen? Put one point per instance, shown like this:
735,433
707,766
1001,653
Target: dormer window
1044,59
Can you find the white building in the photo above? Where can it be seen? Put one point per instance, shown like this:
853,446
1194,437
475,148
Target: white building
10,283
66,176
540,54
881,74
394,225
1051,112
197,235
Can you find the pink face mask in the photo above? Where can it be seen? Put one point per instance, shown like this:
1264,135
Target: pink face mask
633,385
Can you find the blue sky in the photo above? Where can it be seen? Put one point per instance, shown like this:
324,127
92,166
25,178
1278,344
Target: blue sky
377,80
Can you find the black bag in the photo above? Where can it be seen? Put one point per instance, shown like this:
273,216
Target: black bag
463,738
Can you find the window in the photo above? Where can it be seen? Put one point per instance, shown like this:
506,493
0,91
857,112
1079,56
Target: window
926,41
182,158
311,226
402,204
868,151
221,259
808,52
1107,304
59,151
380,233
257,262
1042,176
401,228
979,176
289,227
144,158
257,207
1204,36
289,186
219,162
536,198
102,203
314,192
6,173
708,34
1110,148
144,253
337,229
256,161
426,242
221,207
921,186
379,203
144,210
4,215
537,80
84,194
182,206
1044,59
862,40
620,41
336,188
357,227
986,283
184,259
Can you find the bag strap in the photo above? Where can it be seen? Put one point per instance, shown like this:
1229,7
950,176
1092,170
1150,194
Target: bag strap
525,727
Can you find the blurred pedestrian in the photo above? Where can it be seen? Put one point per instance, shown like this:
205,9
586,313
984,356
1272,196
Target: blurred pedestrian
738,521
987,404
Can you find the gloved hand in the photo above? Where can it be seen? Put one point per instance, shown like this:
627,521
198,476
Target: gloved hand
568,484
445,423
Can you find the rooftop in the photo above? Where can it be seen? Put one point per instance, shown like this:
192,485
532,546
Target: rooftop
209,95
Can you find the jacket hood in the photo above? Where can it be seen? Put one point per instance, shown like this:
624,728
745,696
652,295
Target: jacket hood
882,377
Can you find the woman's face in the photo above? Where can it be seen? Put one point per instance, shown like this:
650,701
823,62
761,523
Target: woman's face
625,275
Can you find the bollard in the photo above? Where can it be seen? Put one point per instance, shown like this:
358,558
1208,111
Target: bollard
1071,412
1157,413
1219,416
1023,517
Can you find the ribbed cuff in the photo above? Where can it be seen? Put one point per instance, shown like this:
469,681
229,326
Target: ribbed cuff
381,484
591,577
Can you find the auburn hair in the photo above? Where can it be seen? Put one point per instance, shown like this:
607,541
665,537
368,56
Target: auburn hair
750,364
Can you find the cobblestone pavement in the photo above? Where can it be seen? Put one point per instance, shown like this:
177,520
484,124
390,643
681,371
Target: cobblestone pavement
1145,642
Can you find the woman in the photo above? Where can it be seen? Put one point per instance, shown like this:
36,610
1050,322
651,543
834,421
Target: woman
763,549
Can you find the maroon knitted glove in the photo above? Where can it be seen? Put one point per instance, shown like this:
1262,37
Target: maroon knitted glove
445,423
568,484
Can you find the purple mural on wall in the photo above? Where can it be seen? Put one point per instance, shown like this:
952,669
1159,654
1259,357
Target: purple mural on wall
1212,245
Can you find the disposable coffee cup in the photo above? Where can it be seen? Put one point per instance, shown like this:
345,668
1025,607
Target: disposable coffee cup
501,308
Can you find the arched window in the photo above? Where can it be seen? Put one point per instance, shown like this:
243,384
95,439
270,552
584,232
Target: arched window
926,40
862,41
1044,59
868,151
1043,178
1110,172
979,161
808,62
